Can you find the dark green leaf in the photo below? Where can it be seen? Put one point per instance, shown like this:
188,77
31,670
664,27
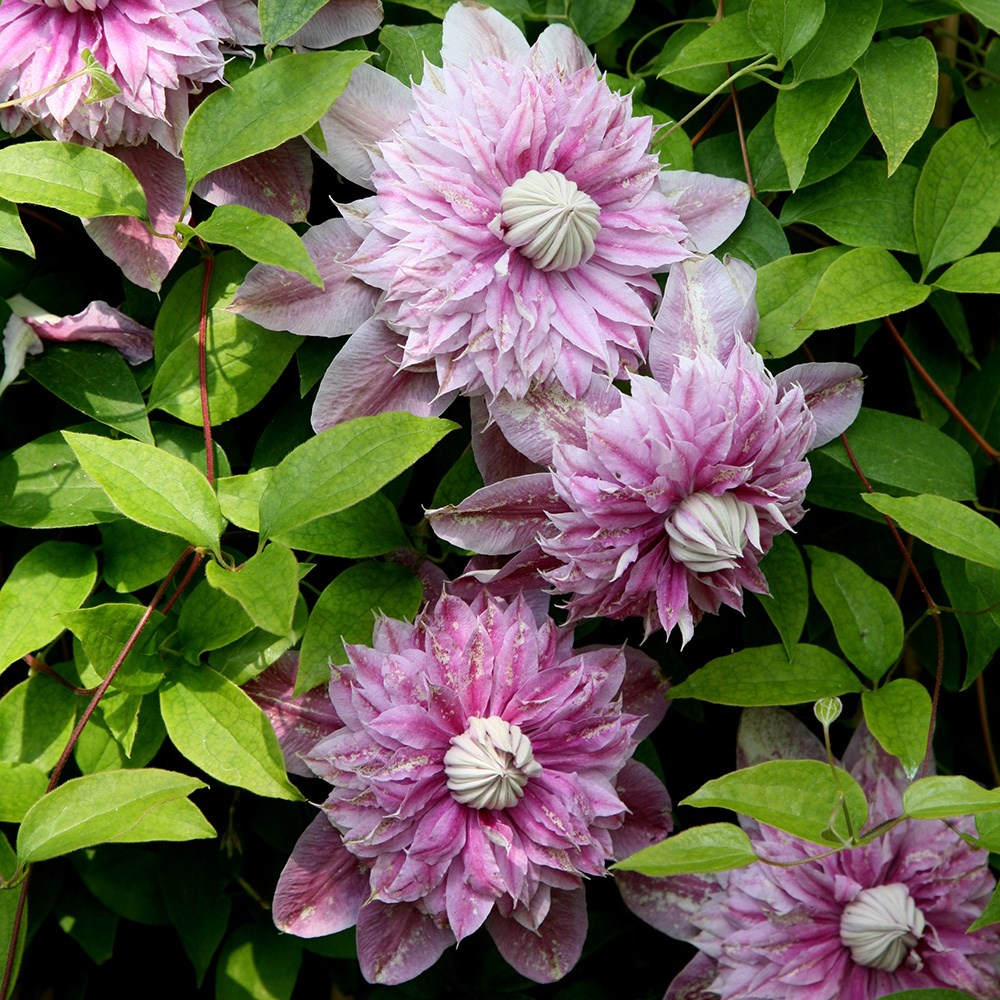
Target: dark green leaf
985,105
788,603
257,964
408,46
974,591
98,750
899,717
846,32
712,848
266,585
370,528
728,40
136,556
594,19
8,908
784,26
89,923
209,619
759,239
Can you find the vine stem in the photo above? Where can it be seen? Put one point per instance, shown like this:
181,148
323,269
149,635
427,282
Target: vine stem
984,723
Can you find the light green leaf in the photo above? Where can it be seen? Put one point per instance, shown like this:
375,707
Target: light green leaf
866,620
108,807
209,619
279,19
266,585
96,381
408,46
219,729
345,612
932,994
802,114
860,206
52,577
764,675
943,524
943,796
990,915
867,283
797,796
152,487
98,750
102,83
784,26
980,273
899,85
8,908
988,831
260,237
788,603
75,179
36,718
370,528
239,497
728,40
703,79
21,786
136,556
257,964
13,235
958,195
846,32
273,103
714,847
899,717
343,465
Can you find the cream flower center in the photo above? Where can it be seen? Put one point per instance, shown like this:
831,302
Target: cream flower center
550,220
709,533
72,6
489,764
880,926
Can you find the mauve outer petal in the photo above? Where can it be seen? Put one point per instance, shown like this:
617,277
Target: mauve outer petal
472,33
832,390
495,457
774,734
710,207
299,723
322,887
364,380
708,305
521,574
694,981
280,300
145,259
338,21
551,953
559,45
276,182
668,904
648,820
396,942
371,107
644,691
101,323
500,518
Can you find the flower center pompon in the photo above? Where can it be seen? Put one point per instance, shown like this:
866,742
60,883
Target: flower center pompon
709,533
489,764
550,220
880,926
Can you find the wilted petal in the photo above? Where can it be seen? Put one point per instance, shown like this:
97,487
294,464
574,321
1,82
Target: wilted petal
832,391
19,340
397,942
710,207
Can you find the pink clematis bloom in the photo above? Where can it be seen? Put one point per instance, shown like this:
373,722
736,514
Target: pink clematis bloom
863,923
481,770
517,221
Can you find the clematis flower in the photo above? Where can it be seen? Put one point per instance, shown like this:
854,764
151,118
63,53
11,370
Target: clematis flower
517,221
481,770
862,923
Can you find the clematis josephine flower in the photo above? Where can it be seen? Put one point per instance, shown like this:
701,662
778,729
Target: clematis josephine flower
516,223
481,770
862,923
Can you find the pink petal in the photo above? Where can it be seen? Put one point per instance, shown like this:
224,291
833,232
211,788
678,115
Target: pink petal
98,322
833,391
495,458
322,886
668,904
558,45
476,33
695,980
280,300
774,734
397,942
644,691
364,380
144,258
649,819
710,207
338,21
276,182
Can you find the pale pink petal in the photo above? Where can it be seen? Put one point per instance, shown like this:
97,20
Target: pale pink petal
336,22
558,45
495,457
710,207
98,322
474,33
19,340
832,391
397,942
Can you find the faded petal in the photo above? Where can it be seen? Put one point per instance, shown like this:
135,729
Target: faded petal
397,942
19,340
337,21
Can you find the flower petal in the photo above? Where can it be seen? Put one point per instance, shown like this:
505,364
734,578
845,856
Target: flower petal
832,391
475,33
396,942
710,207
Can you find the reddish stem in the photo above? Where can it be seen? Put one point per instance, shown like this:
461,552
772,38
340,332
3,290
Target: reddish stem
700,134
206,418
742,135
41,667
984,723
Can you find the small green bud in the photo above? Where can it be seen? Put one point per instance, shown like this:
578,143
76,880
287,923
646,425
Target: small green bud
828,710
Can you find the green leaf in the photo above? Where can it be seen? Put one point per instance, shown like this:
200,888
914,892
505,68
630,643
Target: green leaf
759,239
987,11
108,807
260,237
119,711
860,206
985,105
75,179
219,729
345,612
846,32
980,273
8,908
990,915
21,786
152,487
788,602
899,85
257,964
209,619
974,590
943,524
243,659
728,40
89,923
866,619
765,675
43,486
36,719
958,195
13,235
239,497
797,796
96,381
279,19
802,114
343,465
784,26
52,577
867,283
928,995
702,79
370,528
273,103
595,19
944,796
785,290
98,750
408,46
266,585
988,830
899,717
136,556
714,847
